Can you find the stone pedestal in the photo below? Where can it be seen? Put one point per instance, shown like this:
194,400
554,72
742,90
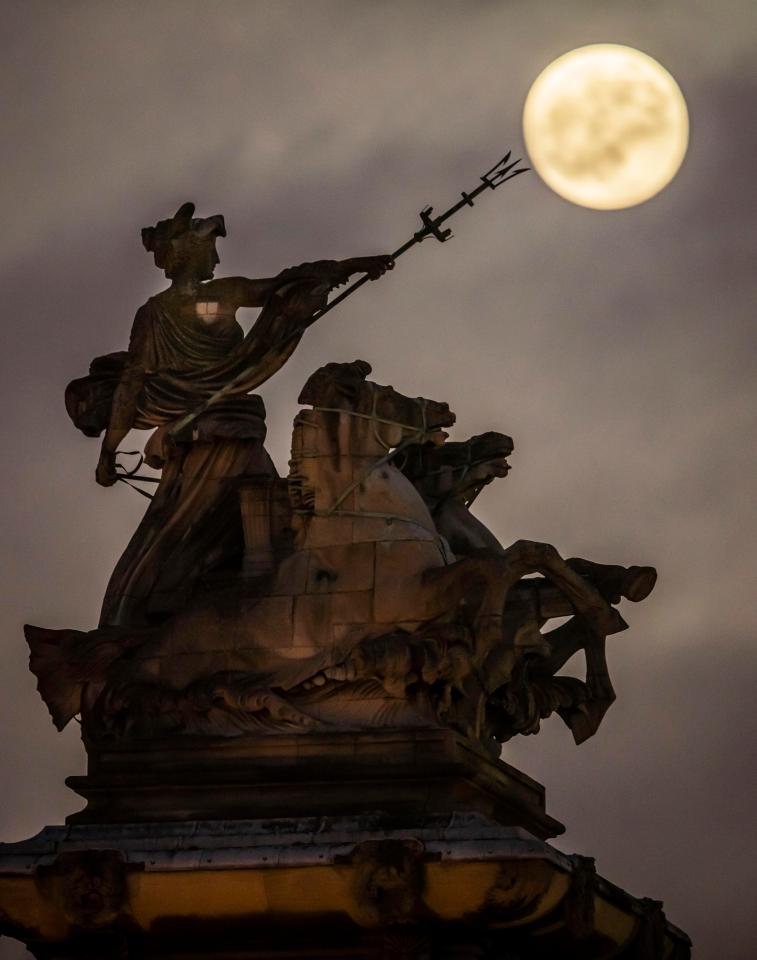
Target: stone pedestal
449,886
353,845
404,774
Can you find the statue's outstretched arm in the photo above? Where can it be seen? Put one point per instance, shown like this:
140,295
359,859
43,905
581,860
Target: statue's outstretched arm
339,271
244,292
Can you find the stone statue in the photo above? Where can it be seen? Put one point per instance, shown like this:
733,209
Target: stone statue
186,347
363,616
294,702
360,592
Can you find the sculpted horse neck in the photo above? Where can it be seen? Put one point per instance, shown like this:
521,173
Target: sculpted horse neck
343,483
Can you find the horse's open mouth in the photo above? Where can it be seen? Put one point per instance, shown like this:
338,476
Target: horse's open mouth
501,467
437,437
445,418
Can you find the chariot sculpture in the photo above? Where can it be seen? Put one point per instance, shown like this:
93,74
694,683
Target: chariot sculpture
359,591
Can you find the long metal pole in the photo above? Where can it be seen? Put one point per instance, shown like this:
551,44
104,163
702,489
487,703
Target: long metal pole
498,175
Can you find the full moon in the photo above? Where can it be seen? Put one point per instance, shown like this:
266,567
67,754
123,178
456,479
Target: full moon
606,126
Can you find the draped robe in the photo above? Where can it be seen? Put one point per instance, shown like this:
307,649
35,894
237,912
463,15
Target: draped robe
192,525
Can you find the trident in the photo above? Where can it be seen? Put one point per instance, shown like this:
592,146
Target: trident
500,173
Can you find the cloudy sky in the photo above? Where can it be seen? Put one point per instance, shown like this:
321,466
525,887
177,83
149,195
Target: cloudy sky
616,348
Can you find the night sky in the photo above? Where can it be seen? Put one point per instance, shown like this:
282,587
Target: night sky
617,348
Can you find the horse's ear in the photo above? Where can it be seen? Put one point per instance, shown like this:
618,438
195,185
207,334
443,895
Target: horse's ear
361,367
350,378
185,212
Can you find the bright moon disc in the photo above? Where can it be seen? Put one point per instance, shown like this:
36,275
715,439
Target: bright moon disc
606,126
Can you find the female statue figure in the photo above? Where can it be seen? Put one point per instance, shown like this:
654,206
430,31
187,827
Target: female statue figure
185,347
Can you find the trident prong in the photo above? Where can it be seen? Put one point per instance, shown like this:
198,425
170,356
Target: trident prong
499,172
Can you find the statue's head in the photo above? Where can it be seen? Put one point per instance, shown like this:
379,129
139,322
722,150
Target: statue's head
185,245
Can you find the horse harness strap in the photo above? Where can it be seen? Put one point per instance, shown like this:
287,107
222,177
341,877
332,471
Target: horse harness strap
126,476
466,468
375,418
416,437
367,515
375,515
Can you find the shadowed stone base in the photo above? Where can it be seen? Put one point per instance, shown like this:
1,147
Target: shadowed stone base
405,774
454,887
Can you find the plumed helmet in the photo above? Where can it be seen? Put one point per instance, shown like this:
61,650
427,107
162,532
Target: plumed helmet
159,239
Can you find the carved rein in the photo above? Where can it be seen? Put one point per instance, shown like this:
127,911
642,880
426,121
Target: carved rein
417,435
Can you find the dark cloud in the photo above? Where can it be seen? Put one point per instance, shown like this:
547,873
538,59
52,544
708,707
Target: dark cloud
617,348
